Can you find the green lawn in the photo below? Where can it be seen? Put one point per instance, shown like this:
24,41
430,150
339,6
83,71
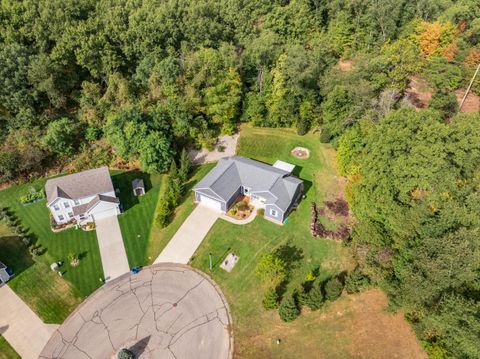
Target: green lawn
161,236
138,216
252,324
6,351
35,217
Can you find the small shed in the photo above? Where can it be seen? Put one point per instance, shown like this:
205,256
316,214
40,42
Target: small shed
138,187
5,273
284,166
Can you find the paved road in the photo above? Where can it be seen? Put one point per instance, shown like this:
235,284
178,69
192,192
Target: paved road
21,327
189,236
167,311
112,249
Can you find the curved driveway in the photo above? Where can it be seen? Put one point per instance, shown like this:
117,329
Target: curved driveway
167,311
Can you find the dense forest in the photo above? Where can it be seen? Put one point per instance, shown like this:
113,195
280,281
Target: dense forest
83,81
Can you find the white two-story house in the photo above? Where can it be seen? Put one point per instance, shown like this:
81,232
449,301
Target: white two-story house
83,197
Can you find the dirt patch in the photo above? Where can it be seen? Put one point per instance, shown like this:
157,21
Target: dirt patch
345,65
472,102
418,93
301,152
355,326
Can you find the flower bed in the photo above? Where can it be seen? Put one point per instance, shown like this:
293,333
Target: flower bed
32,196
241,209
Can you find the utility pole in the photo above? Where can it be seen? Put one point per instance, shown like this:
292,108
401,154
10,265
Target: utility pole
469,87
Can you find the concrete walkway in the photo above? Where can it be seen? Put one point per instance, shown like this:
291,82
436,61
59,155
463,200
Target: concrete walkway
21,327
112,249
189,236
247,220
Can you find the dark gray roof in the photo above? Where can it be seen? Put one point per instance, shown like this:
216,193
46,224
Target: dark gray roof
79,185
275,185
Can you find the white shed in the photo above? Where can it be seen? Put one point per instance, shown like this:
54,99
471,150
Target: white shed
138,187
284,166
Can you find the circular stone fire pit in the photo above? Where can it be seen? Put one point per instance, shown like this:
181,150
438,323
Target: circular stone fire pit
301,152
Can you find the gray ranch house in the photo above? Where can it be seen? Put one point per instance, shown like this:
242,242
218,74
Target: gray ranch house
273,188
82,197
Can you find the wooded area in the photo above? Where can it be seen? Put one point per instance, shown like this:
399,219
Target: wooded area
142,79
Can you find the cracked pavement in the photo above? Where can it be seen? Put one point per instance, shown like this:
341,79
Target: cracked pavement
169,311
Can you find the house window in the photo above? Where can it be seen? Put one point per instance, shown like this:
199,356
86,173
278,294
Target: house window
70,214
77,202
61,218
273,212
56,207
66,204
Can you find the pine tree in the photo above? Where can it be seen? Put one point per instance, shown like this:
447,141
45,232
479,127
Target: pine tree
270,299
314,298
288,310
333,289
174,186
184,166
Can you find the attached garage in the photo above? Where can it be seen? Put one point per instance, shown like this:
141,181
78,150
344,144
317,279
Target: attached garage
211,203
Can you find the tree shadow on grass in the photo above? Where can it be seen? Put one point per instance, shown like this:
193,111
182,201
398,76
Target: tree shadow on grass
14,254
123,182
290,255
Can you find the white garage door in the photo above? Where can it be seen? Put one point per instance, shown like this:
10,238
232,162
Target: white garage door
211,203
104,214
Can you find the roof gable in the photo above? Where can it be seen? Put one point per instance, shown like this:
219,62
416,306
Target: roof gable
79,185
277,185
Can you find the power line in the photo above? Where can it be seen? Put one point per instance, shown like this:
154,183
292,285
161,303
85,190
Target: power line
469,87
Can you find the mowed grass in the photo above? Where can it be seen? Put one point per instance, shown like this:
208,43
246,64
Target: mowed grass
50,296
160,237
137,219
6,351
252,324
44,291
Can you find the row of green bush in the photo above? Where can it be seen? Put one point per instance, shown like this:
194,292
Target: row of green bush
172,189
21,232
313,293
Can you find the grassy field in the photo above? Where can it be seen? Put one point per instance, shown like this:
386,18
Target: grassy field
137,219
292,240
44,291
6,351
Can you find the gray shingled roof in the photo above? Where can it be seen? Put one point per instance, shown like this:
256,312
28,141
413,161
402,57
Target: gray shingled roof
79,185
277,186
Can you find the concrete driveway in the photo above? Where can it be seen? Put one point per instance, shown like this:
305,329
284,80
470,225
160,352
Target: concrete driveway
185,242
112,249
21,327
167,311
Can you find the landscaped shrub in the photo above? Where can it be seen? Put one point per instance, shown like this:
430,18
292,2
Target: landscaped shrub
32,196
270,299
314,298
26,241
333,289
125,354
356,281
288,309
